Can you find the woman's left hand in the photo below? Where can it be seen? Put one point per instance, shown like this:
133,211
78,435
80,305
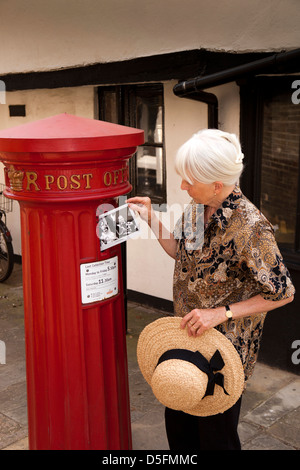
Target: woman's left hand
199,320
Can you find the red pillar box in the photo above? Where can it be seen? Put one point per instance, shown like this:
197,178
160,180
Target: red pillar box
61,169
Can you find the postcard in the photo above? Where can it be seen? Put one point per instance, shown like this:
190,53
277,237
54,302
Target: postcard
117,226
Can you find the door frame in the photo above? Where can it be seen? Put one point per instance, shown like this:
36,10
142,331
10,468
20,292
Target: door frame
282,326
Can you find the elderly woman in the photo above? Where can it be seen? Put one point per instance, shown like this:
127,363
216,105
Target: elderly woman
228,280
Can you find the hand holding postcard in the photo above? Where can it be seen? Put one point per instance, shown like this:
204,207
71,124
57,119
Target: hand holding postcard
117,226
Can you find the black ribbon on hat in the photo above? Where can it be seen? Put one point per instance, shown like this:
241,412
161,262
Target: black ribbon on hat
210,368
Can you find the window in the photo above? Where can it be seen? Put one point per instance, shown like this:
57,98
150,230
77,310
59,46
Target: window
270,134
270,125
280,163
140,106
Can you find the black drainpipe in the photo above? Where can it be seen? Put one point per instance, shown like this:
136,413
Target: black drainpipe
272,64
210,99
192,88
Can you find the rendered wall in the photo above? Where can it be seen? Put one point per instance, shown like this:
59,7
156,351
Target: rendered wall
44,35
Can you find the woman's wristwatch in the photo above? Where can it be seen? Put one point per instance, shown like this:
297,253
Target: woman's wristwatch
228,313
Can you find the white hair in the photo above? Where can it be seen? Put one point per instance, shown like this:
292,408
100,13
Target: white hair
210,155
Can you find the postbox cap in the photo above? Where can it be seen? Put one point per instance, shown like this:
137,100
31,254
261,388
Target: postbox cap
68,133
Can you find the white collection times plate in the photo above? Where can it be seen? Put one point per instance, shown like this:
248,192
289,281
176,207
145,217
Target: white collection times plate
99,280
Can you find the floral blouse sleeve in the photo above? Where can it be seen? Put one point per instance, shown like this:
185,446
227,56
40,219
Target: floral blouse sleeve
261,256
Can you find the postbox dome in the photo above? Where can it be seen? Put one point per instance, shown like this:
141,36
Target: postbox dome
68,133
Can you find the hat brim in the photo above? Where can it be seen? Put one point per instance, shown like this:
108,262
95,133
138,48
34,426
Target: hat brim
165,334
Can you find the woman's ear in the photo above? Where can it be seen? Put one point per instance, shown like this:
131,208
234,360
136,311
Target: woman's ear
218,186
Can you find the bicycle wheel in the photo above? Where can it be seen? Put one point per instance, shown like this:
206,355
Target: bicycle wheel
6,253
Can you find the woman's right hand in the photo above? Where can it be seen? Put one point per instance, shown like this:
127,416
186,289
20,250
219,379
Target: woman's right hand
142,205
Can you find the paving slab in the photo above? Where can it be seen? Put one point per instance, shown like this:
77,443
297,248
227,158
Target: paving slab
263,441
270,414
19,445
277,406
10,431
288,428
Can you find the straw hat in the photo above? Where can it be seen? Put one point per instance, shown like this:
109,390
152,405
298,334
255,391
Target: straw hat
174,365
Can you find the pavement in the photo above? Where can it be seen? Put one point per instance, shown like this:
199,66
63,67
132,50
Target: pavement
270,414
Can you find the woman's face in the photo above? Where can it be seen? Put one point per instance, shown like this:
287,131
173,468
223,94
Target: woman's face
200,192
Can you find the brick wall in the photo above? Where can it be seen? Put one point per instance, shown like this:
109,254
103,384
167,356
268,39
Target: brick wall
280,163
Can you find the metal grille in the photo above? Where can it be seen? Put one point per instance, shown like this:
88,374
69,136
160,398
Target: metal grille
5,203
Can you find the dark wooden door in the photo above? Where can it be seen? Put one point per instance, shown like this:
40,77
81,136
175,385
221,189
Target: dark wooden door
270,136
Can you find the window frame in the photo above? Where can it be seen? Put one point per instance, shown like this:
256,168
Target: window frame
253,92
126,111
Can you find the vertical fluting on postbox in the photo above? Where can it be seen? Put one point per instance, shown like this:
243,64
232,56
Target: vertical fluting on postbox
76,362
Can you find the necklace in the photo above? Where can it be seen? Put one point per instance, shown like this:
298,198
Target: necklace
206,217
208,212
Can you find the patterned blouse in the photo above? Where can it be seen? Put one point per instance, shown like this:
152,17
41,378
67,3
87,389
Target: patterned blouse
236,257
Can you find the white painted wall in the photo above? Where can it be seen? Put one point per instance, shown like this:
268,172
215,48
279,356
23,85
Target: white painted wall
150,269
41,104
45,35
